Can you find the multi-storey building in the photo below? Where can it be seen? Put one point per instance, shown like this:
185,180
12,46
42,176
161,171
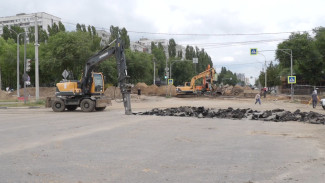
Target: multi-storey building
144,45
241,77
28,20
105,37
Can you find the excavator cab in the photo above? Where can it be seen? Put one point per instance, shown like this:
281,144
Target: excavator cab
97,86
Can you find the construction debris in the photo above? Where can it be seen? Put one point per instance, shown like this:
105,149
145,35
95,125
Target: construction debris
276,115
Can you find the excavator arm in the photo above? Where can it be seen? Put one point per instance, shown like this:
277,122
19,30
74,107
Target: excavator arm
209,72
102,55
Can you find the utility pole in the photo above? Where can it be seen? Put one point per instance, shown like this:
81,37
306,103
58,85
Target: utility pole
154,71
25,35
166,70
36,59
18,65
265,75
0,80
291,75
265,69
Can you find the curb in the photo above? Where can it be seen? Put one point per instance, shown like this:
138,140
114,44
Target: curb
31,107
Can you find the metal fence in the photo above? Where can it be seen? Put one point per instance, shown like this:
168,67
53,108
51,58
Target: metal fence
302,89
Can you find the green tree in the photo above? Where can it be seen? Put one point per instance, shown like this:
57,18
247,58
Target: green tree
172,48
83,28
189,52
180,54
159,54
65,50
94,30
54,29
78,27
307,60
140,66
115,31
8,62
42,35
125,38
89,30
61,27
182,72
227,77
11,33
273,76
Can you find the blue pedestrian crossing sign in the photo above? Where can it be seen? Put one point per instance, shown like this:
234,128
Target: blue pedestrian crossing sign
170,81
253,51
292,80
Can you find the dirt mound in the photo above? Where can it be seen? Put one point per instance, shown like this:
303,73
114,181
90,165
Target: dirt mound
43,91
30,91
171,89
113,92
5,95
152,90
142,86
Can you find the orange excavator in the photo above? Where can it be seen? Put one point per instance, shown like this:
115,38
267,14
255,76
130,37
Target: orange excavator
190,88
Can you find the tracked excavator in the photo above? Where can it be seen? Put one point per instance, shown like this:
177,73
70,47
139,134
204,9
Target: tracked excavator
190,88
88,93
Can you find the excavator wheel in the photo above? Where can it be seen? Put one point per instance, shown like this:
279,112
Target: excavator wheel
71,107
87,105
58,105
100,108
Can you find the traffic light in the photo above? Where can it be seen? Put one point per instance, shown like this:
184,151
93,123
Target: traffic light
166,75
28,64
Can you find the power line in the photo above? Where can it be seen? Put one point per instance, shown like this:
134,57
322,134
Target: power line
192,34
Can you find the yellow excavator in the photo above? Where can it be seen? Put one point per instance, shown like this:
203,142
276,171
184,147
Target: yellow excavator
88,93
190,88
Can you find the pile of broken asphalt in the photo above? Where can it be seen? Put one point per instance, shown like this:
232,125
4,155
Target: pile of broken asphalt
276,115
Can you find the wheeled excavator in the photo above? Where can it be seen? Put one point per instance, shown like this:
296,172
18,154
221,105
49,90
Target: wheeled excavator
190,88
88,93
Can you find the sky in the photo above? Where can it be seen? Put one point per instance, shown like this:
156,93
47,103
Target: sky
226,30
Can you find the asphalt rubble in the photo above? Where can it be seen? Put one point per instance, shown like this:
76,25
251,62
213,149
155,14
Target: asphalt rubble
275,115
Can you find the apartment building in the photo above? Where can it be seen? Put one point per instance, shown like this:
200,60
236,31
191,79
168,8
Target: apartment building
144,45
28,20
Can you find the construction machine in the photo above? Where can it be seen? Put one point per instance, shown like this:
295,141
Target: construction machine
190,88
88,93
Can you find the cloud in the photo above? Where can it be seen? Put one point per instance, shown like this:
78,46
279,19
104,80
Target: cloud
227,59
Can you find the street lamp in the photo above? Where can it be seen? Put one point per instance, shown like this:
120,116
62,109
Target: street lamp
18,34
285,51
265,70
154,71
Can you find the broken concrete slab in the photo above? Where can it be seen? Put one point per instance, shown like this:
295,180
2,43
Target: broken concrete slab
275,115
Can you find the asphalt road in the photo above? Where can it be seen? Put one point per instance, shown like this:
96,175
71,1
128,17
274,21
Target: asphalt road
38,145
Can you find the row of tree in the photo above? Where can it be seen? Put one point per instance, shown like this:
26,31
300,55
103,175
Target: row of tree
60,49
308,53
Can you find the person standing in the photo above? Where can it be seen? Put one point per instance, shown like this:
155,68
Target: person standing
139,93
314,98
258,98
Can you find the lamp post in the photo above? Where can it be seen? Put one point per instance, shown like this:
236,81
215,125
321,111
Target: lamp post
18,34
265,70
154,71
285,51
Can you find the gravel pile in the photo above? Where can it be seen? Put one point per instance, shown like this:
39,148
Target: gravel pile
276,115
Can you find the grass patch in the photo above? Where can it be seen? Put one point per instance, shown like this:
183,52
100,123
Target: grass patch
13,103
